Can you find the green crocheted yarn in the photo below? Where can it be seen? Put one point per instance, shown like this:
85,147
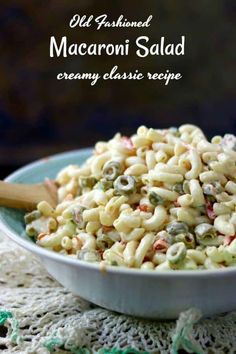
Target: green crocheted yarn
182,338
53,343
6,315
121,351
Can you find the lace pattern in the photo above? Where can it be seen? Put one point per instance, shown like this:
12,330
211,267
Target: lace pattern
38,316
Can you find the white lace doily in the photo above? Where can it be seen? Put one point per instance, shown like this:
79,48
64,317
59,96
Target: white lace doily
38,316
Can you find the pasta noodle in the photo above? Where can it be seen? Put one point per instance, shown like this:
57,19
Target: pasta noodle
160,200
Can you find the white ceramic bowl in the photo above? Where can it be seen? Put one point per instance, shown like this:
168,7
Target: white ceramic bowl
150,294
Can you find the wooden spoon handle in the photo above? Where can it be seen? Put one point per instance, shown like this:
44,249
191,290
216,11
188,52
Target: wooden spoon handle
25,196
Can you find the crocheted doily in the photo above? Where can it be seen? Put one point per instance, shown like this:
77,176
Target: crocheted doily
38,316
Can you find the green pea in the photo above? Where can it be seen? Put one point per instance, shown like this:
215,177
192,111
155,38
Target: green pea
218,187
89,256
31,231
125,185
201,209
34,215
177,227
205,234
178,187
104,185
188,239
155,199
176,253
87,182
111,170
114,263
186,188
104,241
211,198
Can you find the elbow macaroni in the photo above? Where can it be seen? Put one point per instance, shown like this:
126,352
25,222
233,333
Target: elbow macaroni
137,200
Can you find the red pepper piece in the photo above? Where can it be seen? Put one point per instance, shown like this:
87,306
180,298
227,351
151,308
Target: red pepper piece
143,207
160,245
210,212
228,240
127,142
176,204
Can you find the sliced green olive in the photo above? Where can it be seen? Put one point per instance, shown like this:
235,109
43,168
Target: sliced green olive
178,187
111,170
177,227
87,182
188,239
205,234
155,199
176,253
125,185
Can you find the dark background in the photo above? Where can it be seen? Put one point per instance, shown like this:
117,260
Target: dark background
40,115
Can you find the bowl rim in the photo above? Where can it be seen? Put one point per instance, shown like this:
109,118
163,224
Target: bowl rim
42,252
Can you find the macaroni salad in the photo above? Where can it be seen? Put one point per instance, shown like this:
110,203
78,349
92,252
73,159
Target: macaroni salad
159,200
